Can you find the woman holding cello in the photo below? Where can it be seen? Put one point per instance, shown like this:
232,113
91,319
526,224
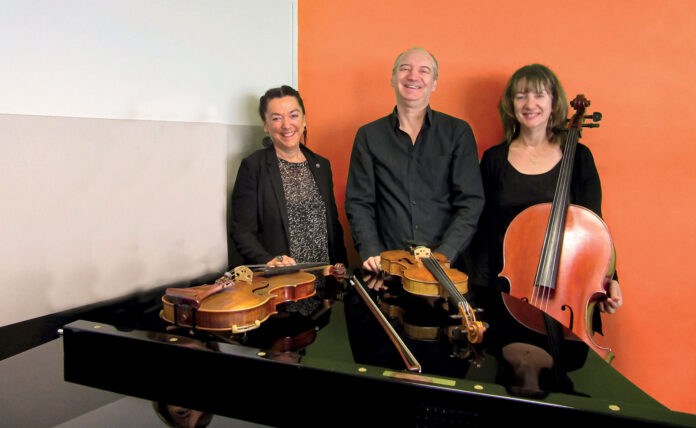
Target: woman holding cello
523,170
519,173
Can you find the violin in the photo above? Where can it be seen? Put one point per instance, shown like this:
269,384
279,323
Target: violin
560,257
239,301
428,274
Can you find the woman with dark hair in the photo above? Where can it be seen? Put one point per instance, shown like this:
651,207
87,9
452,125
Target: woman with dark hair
283,206
523,170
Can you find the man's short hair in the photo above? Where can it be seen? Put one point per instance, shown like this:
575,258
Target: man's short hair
396,63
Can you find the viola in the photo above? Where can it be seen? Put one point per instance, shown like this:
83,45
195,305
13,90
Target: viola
428,274
560,257
240,300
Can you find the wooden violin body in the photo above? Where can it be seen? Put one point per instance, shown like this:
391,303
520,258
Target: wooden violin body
417,279
242,304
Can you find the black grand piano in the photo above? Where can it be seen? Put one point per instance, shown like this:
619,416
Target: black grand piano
327,361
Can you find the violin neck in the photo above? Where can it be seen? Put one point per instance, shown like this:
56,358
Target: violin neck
282,270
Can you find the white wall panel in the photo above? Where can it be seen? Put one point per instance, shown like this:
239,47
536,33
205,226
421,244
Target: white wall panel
195,60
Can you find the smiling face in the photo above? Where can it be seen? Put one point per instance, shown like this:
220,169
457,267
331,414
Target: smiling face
284,122
533,105
414,78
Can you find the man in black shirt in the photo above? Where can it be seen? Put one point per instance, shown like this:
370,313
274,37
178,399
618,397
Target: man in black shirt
414,175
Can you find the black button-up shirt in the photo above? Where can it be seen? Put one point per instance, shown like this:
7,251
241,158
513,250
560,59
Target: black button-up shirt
428,192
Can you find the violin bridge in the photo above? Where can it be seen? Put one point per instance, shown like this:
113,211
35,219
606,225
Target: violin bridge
242,273
421,252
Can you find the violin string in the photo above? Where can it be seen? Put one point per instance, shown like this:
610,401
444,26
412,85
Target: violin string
442,277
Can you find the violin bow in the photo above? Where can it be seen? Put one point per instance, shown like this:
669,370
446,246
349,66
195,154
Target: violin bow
411,363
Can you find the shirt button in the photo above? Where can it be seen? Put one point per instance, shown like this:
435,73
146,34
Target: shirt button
417,227
413,202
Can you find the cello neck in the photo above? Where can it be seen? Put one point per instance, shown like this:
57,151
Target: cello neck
547,270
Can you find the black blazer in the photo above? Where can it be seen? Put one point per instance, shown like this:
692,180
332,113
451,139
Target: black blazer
259,226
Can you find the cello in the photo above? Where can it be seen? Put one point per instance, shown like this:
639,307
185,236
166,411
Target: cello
571,249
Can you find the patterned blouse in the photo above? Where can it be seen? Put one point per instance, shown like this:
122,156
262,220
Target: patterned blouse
308,238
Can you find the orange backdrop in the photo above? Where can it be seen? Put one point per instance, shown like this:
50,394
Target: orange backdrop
634,59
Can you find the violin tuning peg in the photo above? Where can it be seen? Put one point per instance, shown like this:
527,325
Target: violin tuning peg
590,125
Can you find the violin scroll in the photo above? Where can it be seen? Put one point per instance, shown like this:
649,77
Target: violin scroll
475,330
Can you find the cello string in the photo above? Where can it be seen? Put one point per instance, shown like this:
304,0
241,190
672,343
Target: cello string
547,297
554,239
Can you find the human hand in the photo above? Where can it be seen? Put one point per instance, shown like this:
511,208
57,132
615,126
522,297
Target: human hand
373,264
614,299
281,261
374,282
